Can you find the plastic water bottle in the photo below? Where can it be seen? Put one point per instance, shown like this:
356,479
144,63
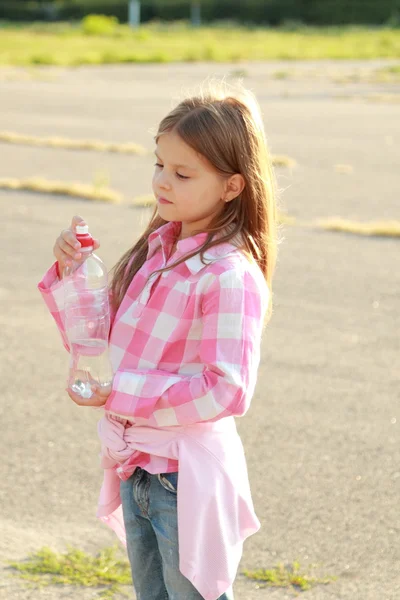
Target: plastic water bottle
87,319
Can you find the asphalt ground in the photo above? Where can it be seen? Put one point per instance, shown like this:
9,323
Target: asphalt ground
322,434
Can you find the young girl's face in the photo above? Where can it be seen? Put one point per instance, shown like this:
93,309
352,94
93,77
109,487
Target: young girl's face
186,186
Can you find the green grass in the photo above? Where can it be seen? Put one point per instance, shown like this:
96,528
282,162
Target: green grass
287,576
109,573
75,567
67,45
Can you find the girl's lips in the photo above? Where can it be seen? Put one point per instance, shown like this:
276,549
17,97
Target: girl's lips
164,201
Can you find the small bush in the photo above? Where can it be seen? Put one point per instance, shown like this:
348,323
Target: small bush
394,20
99,25
292,25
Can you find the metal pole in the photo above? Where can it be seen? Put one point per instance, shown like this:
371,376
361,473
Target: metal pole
196,13
134,13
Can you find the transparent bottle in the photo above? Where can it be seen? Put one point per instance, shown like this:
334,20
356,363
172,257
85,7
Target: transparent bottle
87,319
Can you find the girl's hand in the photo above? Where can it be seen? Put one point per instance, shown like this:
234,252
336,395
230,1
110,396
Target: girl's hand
66,248
98,398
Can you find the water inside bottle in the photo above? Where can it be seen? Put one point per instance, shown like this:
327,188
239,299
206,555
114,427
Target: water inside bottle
91,366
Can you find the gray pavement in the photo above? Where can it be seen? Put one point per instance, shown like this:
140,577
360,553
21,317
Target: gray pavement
322,435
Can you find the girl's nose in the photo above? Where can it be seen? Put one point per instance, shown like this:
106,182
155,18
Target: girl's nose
163,180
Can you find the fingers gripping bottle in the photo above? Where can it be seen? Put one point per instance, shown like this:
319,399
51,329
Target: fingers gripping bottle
87,319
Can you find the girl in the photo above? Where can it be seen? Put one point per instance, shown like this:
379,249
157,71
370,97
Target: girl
189,302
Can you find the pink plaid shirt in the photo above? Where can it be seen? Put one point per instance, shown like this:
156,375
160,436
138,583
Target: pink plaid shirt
185,349
185,345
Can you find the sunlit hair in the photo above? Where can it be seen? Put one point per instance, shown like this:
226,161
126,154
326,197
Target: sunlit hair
223,124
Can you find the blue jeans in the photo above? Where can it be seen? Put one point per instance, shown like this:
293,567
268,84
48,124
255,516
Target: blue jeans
149,504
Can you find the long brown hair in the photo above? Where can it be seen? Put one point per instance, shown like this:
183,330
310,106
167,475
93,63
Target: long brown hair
224,125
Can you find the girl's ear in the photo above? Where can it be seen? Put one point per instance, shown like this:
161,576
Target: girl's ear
234,187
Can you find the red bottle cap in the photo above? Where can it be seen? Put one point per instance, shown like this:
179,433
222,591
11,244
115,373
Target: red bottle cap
83,236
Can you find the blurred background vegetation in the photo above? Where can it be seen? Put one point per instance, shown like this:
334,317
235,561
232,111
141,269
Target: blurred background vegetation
77,32
268,12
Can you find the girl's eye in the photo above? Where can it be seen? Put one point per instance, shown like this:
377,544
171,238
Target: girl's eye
183,177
